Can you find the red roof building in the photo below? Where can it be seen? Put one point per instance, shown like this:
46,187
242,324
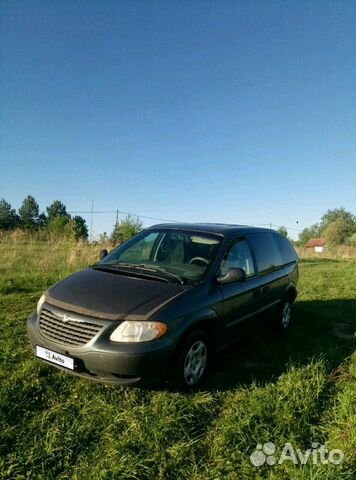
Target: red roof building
317,244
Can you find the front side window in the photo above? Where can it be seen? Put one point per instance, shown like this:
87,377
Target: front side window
187,254
238,256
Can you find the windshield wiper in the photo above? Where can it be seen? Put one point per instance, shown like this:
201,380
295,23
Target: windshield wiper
140,272
166,272
147,267
117,265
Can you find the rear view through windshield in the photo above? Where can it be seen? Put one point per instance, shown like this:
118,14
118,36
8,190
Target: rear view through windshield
186,254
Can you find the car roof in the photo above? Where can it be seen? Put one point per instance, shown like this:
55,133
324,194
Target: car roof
224,229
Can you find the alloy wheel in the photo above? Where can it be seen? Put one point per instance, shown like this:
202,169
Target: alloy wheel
286,315
195,362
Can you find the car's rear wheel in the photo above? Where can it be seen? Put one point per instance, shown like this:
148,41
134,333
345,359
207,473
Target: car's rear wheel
192,360
284,315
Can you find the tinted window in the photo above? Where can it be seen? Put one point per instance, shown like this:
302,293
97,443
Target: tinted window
238,256
286,248
266,251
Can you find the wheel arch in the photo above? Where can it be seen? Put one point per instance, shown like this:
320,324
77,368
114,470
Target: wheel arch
206,322
291,292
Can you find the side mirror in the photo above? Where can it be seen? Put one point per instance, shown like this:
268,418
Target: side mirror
103,253
233,275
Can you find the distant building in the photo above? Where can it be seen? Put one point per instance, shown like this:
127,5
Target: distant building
318,245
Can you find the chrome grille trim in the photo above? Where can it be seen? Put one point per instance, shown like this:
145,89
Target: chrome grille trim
69,332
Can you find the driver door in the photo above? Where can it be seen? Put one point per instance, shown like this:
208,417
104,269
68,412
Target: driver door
239,299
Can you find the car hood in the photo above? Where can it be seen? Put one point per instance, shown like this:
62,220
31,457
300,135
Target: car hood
111,295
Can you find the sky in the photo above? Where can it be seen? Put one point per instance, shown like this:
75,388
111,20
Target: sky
237,111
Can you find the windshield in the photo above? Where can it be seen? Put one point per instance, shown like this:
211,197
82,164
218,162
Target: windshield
186,254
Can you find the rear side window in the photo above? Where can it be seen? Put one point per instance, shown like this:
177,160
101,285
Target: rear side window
288,253
266,251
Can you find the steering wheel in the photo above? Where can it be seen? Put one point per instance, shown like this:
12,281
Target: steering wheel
199,259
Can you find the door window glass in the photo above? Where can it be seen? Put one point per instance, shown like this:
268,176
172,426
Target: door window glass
288,253
238,256
266,251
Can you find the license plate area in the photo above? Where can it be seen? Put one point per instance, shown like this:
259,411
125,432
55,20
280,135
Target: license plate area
54,357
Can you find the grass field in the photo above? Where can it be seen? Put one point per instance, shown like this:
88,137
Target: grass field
298,388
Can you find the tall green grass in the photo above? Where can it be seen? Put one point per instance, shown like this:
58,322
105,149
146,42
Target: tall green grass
299,388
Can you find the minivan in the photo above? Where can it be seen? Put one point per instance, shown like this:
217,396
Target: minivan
161,304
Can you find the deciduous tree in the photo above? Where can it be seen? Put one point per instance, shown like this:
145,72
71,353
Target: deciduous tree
339,215
283,231
125,229
338,232
308,233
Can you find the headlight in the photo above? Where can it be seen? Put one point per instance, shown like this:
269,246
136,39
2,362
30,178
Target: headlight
40,303
132,331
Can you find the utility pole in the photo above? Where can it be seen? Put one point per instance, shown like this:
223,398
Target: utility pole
270,225
91,221
117,218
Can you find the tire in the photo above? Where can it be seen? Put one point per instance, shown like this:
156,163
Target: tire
284,316
192,360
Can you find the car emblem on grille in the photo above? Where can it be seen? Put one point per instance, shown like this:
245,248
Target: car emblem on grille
66,318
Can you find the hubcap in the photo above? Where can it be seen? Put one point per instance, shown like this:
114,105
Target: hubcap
195,362
286,313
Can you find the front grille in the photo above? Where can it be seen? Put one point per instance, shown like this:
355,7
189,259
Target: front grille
68,332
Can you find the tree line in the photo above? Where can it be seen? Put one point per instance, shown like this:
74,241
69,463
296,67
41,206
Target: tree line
56,222
337,226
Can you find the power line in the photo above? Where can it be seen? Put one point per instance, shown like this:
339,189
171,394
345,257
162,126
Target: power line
123,213
288,228
147,217
150,218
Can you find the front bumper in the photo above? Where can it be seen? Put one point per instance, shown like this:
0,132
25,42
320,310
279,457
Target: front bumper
104,361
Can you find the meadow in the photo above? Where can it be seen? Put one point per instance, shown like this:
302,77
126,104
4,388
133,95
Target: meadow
299,387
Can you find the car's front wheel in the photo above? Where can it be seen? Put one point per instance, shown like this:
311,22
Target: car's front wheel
192,360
